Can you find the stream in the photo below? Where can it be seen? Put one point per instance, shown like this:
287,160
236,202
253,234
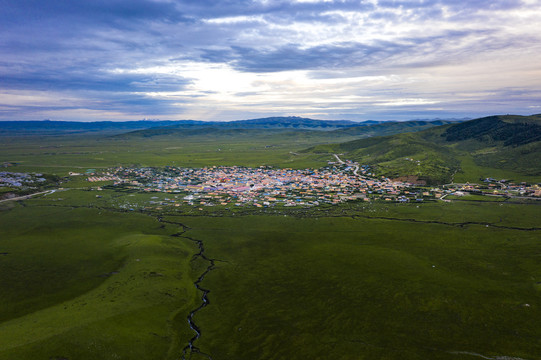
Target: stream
191,349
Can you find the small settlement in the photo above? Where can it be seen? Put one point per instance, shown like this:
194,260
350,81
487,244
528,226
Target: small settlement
17,180
263,186
266,186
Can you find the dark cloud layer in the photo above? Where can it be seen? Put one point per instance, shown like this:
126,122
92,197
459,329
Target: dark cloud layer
403,52
96,80
88,48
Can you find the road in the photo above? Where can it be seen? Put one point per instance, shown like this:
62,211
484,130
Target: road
338,159
24,197
355,171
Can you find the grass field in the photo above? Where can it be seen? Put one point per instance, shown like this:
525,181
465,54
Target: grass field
342,288
87,284
355,281
473,172
62,154
96,274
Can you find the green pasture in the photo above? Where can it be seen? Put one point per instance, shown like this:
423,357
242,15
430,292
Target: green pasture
94,275
87,284
343,288
458,213
389,155
83,277
63,154
475,197
473,172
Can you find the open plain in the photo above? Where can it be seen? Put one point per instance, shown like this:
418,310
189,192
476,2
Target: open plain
93,267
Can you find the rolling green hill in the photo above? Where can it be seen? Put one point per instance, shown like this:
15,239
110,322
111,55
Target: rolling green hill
509,129
48,127
506,146
390,128
287,127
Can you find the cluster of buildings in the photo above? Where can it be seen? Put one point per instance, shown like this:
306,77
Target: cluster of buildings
17,180
266,186
263,186
102,178
493,187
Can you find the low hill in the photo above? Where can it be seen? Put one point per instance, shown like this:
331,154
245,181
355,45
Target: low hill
213,131
390,128
505,146
48,127
170,127
509,129
399,155
320,130
289,122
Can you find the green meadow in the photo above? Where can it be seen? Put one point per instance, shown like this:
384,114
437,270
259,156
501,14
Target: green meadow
383,281
85,284
357,288
62,154
110,274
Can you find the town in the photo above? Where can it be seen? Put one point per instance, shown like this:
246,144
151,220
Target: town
263,186
266,186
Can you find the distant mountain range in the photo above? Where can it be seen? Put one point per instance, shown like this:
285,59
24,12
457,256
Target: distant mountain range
496,146
286,127
47,127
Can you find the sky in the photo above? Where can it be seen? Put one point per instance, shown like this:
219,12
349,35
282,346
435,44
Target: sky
238,59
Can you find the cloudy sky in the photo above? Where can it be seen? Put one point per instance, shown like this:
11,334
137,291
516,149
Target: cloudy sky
240,59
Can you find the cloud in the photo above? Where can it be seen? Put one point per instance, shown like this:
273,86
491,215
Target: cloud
425,51
97,11
92,81
184,57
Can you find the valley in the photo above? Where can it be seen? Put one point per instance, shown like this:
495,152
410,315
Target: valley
269,244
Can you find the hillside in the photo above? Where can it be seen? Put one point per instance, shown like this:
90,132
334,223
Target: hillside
319,130
495,146
289,122
509,129
390,128
149,128
257,127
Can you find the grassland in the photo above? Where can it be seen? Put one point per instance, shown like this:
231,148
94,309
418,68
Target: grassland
357,288
86,284
60,155
357,281
100,275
